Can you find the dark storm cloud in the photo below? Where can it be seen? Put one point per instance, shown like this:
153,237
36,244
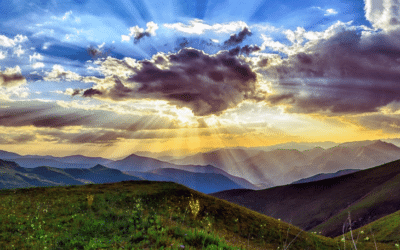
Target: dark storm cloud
236,39
51,115
207,84
199,43
76,92
249,49
45,115
19,139
346,73
97,137
263,62
103,136
344,97
91,92
96,52
244,50
386,123
11,80
140,35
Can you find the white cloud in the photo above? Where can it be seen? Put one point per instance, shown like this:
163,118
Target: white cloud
112,66
13,71
301,40
295,36
383,14
37,65
138,32
19,51
20,38
330,12
7,42
3,55
151,28
101,45
264,28
36,56
58,73
274,45
125,38
197,26
46,45
65,17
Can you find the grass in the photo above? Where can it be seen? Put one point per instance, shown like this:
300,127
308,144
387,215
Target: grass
143,215
386,230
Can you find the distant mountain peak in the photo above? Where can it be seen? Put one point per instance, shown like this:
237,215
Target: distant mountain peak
357,143
384,145
98,167
10,164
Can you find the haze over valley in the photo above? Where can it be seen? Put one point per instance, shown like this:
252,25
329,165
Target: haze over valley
228,168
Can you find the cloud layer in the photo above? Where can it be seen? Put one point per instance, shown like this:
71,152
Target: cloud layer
350,71
11,77
383,14
207,84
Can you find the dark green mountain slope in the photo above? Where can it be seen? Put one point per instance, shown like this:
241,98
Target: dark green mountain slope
370,194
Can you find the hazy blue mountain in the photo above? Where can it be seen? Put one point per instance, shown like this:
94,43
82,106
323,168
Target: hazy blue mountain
85,160
190,170
134,163
14,176
248,168
37,161
202,182
139,163
284,166
8,155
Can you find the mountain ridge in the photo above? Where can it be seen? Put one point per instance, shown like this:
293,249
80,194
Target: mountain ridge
363,193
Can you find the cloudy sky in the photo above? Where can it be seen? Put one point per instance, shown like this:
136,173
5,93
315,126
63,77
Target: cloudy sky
108,78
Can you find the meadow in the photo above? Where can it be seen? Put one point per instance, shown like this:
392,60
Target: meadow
148,215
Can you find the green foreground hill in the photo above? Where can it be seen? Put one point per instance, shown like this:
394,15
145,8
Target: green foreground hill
386,230
143,215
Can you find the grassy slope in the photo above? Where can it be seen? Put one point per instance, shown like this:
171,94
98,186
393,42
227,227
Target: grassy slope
386,230
372,206
311,204
32,218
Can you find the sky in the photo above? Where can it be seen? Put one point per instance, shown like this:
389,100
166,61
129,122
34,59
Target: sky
108,78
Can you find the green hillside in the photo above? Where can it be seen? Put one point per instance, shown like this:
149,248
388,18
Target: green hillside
141,215
384,230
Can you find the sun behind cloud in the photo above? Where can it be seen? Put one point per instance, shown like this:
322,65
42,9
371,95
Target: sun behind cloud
186,77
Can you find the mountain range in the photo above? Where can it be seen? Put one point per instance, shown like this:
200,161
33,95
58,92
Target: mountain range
337,181
284,166
210,180
234,168
324,205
